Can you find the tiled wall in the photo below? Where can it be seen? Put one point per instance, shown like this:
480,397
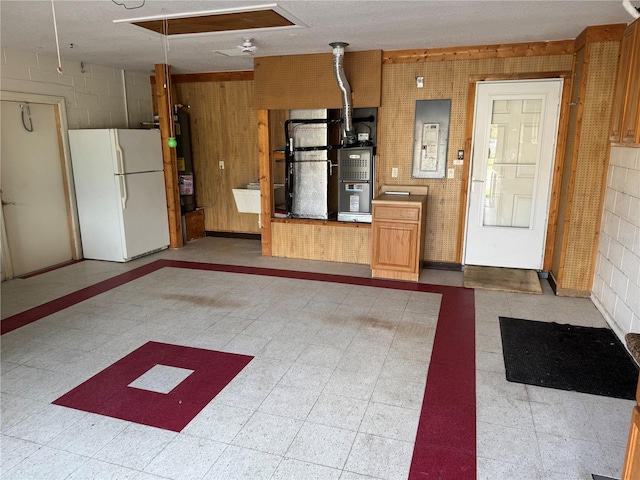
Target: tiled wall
616,286
95,94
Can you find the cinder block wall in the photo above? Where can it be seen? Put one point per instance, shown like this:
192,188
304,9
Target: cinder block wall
95,94
616,288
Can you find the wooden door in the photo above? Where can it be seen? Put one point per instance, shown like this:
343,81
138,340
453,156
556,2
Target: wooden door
34,202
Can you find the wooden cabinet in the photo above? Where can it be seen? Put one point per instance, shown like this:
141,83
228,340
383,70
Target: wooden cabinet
397,236
193,224
631,468
625,127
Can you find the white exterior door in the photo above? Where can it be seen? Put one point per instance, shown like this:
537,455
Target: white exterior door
34,202
514,142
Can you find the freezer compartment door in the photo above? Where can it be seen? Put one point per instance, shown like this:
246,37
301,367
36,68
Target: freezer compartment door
137,150
144,213
310,187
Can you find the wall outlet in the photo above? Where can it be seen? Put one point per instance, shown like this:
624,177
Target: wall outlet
394,172
451,173
221,165
460,154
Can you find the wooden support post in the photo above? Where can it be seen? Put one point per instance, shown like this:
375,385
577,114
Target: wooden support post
170,161
266,181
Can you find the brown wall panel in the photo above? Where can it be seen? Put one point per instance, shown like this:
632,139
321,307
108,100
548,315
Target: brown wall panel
308,81
223,128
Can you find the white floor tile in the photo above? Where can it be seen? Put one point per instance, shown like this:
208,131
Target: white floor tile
237,463
290,469
322,445
89,435
218,422
46,463
268,433
380,457
186,458
95,469
135,447
290,402
338,411
390,422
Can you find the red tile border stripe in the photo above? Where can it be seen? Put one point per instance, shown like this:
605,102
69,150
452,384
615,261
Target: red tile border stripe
445,446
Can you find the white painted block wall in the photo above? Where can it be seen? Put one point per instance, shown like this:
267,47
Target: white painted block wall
616,286
95,94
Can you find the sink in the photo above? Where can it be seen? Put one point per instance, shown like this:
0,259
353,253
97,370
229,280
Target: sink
248,198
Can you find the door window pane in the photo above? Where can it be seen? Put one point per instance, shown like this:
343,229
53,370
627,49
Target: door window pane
512,163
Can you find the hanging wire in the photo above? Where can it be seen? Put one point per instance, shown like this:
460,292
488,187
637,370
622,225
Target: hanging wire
55,29
165,44
25,107
122,4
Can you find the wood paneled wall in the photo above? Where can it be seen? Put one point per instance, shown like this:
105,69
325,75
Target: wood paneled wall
223,128
444,79
586,162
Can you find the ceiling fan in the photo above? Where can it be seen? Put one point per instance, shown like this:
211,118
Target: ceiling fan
247,46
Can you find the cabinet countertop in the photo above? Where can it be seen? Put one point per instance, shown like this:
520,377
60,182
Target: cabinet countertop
385,197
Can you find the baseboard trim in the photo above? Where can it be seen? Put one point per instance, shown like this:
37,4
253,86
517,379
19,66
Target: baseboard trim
449,266
246,236
567,292
552,281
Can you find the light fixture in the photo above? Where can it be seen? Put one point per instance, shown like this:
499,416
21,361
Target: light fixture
247,46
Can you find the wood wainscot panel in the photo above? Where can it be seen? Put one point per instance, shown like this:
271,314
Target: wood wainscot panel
321,240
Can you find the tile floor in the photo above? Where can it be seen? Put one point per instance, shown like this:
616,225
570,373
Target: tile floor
334,391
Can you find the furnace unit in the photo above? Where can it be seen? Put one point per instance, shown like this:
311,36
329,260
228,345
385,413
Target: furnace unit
356,178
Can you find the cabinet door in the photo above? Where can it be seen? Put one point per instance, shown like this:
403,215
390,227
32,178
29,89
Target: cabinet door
631,468
622,86
395,246
631,123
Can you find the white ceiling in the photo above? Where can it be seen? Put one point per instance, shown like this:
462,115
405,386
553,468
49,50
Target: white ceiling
365,25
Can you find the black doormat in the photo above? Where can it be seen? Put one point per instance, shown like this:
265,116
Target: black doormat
567,357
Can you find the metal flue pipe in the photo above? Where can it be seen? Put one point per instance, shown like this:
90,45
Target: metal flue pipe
348,132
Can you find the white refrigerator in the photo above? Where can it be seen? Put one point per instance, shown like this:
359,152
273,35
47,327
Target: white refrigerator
120,192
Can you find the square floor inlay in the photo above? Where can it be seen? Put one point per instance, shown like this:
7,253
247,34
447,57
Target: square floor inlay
133,388
161,378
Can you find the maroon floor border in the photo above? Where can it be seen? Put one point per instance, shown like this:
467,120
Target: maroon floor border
445,446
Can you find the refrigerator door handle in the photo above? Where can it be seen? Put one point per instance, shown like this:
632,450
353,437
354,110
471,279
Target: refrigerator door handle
124,195
119,153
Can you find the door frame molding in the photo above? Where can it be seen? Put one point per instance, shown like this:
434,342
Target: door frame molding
60,109
561,141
